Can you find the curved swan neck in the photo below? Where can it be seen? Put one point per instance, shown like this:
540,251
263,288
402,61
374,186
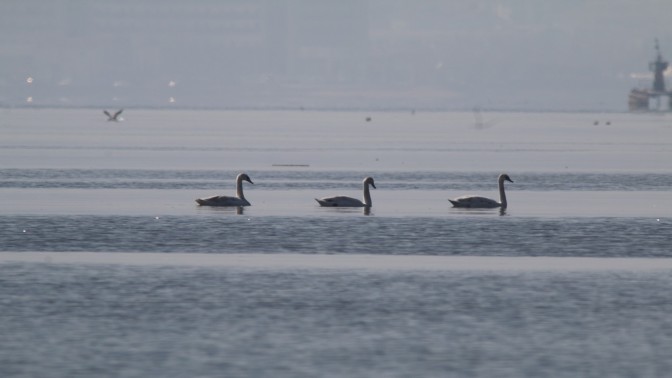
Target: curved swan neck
367,195
502,195
239,187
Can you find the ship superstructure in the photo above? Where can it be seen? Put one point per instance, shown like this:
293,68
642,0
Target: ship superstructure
654,98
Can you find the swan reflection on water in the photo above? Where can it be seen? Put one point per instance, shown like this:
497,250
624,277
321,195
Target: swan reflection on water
348,210
478,211
238,210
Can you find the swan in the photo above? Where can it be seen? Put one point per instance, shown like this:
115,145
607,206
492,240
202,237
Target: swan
343,201
113,117
482,202
238,200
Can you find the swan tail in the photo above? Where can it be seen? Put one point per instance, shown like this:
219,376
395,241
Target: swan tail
323,202
329,202
455,203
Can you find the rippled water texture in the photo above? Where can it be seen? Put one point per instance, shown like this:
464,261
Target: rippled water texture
117,321
72,182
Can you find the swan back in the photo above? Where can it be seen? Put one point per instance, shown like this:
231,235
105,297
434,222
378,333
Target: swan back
223,201
340,201
475,202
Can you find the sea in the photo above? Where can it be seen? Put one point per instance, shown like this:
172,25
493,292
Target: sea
109,268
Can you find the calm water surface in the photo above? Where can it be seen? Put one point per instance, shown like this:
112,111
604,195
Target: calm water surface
69,181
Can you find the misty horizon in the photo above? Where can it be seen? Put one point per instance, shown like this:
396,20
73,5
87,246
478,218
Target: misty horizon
501,55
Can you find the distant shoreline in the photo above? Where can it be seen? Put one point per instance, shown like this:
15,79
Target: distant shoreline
392,109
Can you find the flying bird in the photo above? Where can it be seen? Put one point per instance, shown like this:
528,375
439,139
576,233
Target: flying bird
113,117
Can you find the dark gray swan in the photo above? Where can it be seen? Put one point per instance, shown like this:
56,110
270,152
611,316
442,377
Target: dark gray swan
478,202
343,201
238,200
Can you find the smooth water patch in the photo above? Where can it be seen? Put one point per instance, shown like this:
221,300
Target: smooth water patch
301,202
326,141
346,263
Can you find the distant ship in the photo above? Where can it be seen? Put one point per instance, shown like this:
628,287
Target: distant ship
113,117
644,99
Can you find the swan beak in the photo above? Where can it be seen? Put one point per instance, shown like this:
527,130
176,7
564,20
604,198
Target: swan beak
250,181
509,180
374,186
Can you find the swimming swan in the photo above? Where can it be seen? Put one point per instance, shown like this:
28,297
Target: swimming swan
113,117
238,200
343,201
482,202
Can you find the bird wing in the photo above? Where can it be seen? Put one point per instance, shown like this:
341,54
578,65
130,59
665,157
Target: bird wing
340,201
223,201
474,201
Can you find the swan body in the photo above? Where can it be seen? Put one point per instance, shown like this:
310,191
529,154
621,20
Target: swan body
478,202
113,117
238,200
343,201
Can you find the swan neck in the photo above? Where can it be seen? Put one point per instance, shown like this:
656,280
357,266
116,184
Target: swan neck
239,188
502,195
367,195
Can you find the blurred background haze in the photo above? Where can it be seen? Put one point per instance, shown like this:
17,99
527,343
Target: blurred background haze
345,54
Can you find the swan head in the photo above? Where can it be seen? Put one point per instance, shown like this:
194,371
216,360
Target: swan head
369,181
244,177
504,177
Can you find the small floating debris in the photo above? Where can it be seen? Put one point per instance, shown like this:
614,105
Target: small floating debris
368,119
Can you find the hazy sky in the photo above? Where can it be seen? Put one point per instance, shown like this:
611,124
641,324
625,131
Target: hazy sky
439,54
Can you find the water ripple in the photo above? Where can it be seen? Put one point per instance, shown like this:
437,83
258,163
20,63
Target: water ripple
595,237
310,179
